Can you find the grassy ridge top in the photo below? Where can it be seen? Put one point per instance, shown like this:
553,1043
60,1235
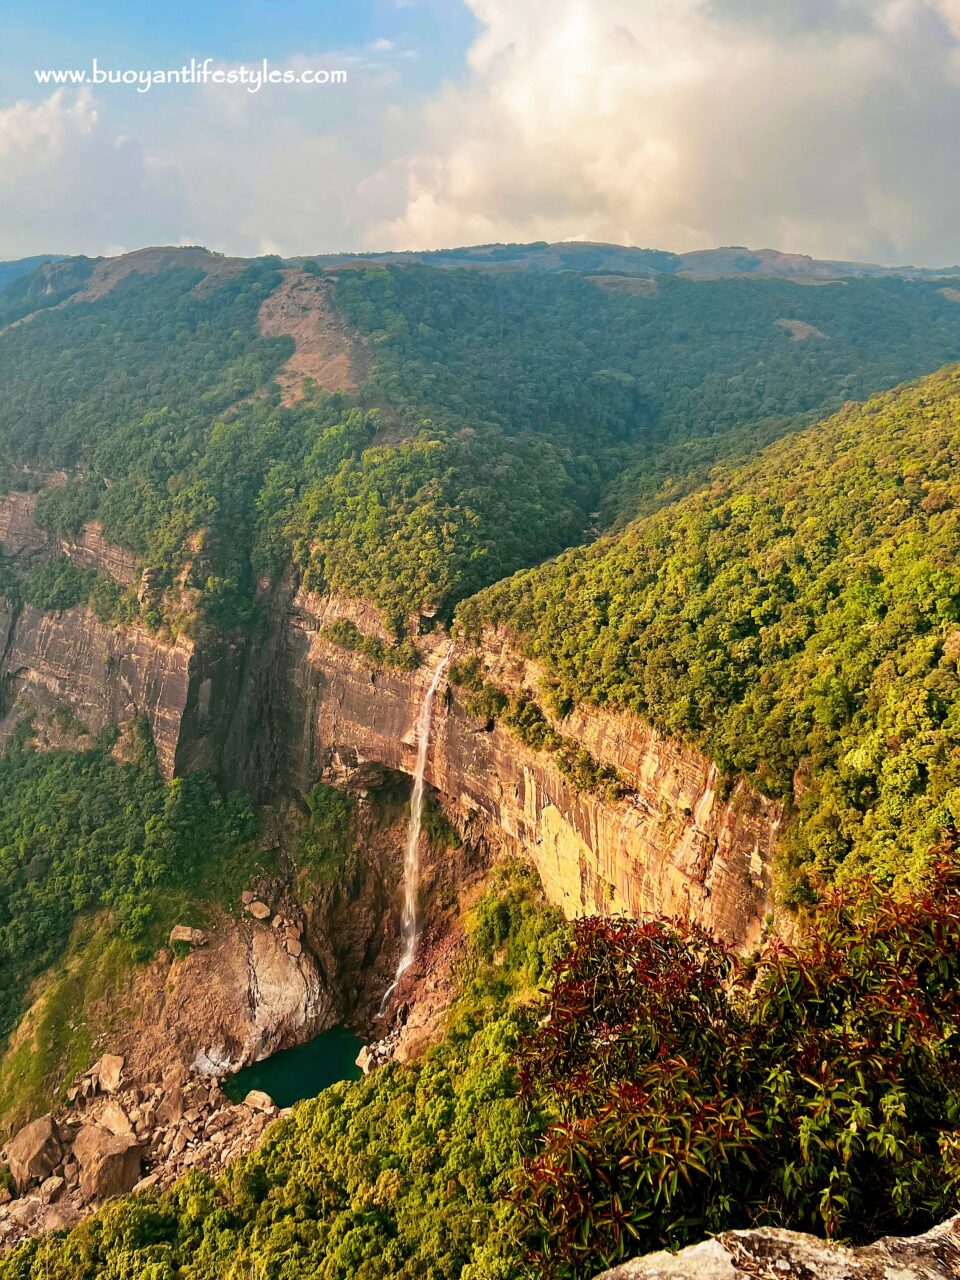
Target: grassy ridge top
798,619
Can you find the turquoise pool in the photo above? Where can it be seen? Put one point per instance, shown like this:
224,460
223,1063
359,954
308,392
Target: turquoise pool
294,1074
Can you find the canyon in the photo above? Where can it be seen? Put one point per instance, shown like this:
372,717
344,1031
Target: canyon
278,709
277,712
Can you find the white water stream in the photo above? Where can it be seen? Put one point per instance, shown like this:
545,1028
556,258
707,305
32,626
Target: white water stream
409,922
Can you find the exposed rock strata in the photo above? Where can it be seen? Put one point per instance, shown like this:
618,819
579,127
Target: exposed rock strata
105,675
292,708
672,846
295,708
89,549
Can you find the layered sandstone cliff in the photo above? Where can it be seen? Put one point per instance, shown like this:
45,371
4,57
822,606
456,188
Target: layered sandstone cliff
673,846
281,711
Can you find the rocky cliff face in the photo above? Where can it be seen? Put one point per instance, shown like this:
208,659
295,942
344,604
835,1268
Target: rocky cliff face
672,845
89,549
102,674
290,708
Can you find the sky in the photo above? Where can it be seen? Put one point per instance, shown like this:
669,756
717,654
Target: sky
829,127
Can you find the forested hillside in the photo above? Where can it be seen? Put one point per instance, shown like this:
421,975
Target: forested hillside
517,406
592,1090
799,618
658,1090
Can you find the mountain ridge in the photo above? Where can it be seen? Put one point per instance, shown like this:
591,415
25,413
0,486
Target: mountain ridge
589,256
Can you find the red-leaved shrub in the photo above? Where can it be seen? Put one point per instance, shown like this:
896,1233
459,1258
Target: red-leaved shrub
686,1091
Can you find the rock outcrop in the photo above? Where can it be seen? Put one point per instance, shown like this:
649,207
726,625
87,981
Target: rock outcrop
221,1006
773,1254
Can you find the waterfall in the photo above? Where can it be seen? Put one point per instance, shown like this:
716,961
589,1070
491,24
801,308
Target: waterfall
410,926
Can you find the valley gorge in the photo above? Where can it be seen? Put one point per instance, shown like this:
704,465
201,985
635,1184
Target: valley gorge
276,713
292,707
497,672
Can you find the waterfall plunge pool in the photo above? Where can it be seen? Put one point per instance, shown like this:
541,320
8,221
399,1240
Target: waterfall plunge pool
294,1074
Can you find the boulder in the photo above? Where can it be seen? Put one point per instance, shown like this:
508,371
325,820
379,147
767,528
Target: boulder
109,1162
34,1152
171,1108
25,1212
175,1073
111,1069
52,1189
259,910
61,1216
257,1100
184,933
790,1255
113,1118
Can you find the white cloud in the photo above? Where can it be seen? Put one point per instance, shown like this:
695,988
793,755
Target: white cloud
828,128
825,126
67,182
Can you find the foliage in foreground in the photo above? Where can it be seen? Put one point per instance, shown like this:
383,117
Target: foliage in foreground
671,1091
815,1087
401,1174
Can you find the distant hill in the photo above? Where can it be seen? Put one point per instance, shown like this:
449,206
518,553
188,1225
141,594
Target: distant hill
10,271
585,257
615,259
489,420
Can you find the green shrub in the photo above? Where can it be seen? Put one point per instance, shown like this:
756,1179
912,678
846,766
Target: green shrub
401,1174
57,584
403,655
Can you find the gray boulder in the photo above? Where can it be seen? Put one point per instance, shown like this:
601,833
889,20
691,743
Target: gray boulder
789,1255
